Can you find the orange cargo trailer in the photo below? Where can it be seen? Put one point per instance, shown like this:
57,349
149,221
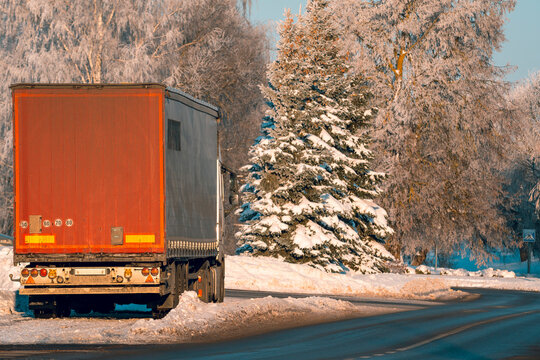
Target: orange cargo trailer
117,195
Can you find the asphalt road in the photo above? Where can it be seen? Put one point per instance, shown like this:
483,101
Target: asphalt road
495,325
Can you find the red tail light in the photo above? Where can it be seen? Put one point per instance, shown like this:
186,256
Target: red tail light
43,272
145,271
154,272
25,272
34,272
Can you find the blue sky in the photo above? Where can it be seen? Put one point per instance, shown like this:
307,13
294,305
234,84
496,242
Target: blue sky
522,48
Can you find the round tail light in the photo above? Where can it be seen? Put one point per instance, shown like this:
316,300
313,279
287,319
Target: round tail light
154,272
25,272
145,271
127,273
43,272
34,272
119,279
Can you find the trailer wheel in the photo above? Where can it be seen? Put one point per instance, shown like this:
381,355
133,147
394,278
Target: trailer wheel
181,281
50,307
44,313
63,308
82,308
221,282
202,285
104,307
159,314
217,273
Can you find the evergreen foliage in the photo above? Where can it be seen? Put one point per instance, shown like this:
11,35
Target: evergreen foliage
310,192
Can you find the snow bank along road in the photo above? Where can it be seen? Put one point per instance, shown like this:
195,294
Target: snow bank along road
494,325
240,315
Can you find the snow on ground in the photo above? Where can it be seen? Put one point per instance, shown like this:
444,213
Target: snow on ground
190,321
8,287
504,260
6,267
269,274
195,321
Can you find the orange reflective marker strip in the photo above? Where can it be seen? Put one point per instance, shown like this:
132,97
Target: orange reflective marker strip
140,238
39,239
200,293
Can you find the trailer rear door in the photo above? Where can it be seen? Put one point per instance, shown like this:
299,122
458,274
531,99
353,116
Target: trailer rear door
88,169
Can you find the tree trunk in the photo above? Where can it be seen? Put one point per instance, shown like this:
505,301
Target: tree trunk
419,258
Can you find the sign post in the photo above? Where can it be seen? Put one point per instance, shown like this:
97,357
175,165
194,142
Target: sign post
529,236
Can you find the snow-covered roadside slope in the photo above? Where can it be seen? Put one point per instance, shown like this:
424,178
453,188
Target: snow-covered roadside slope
250,273
8,287
195,321
6,267
191,321
269,274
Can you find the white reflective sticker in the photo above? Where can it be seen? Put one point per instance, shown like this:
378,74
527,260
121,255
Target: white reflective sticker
24,224
58,222
69,222
46,223
90,271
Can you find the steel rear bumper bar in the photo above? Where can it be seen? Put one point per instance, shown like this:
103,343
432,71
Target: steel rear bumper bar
82,290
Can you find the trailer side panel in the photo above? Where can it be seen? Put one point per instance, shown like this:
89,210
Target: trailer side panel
191,163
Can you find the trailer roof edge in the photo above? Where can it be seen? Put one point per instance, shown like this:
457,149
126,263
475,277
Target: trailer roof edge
188,99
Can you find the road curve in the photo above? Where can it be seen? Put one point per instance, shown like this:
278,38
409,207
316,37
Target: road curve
495,325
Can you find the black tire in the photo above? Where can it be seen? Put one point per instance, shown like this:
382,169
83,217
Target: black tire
82,308
202,284
159,314
218,283
63,308
221,282
104,307
44,313
181,281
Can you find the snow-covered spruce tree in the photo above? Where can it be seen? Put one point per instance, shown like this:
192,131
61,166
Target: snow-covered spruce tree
310,192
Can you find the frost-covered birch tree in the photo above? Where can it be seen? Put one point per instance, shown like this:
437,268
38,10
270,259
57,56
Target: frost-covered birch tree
205,47
310,193
525,103
440,137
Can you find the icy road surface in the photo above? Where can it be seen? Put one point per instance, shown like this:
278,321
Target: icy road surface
191,321
496,325
493,325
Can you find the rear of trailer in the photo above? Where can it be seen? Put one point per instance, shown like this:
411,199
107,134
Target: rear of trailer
117,195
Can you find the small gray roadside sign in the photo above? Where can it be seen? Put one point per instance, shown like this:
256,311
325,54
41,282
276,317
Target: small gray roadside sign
529,235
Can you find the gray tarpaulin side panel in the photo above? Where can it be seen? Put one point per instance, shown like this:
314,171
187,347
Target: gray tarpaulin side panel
191,182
